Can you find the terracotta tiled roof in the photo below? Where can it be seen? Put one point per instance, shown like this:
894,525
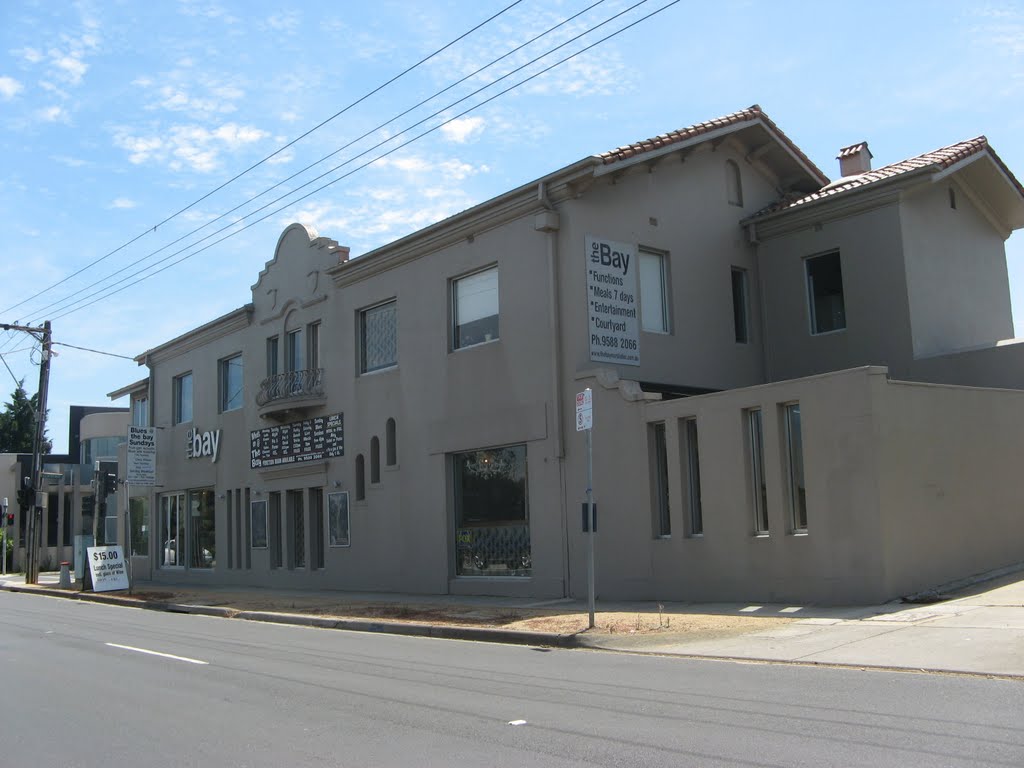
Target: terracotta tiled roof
749,115
936,160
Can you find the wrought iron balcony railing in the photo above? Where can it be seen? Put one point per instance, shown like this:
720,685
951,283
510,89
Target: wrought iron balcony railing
291,385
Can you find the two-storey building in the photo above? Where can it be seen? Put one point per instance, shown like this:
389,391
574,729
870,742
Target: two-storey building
405,420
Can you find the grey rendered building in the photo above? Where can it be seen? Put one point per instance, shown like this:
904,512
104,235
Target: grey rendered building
404,420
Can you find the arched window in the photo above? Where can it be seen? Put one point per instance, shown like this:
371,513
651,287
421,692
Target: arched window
733,183
360,478
374,459
390,445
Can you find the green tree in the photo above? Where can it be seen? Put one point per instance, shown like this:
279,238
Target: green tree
18,424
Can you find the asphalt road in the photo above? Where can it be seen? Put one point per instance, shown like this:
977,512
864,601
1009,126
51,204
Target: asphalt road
80,686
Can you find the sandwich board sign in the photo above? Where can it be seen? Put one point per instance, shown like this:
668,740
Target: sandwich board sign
108,568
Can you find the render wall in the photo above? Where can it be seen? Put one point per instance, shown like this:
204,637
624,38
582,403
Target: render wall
875,294
837,561
680,209
950,480
957,285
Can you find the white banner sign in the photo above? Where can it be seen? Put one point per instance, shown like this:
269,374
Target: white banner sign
612,301
141,469
108,568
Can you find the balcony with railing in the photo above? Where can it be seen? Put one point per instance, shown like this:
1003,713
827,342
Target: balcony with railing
291,393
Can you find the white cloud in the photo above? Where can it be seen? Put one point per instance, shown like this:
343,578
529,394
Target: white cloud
70,68
122,203
31,55
462,129
9,87
71,162
187,146
284,22
52,114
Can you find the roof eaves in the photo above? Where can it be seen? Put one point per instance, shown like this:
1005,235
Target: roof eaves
667,141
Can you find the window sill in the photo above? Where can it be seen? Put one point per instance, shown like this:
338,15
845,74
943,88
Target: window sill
667,537
484,343
828,333
762,536
695,536
378,371
798,533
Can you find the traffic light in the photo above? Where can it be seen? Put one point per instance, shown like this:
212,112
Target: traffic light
109,483
10,518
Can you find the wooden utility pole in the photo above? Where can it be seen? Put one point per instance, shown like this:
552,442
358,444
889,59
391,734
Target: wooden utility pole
35,517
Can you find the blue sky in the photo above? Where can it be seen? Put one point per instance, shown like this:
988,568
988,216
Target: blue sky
115,115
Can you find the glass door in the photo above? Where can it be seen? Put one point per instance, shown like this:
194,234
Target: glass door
172,529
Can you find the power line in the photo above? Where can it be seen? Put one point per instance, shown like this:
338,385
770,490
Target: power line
97,351
114,289
65,303
17,383
276,152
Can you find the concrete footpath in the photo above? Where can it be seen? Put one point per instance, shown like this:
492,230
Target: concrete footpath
976,630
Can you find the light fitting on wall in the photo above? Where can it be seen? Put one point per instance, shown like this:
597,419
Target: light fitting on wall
221,496
337,483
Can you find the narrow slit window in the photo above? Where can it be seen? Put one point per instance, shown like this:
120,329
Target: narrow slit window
733,183
739,306
659,458
696,512
758,488
795,462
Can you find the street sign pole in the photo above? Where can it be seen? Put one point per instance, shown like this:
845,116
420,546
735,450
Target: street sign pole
591,522
585,423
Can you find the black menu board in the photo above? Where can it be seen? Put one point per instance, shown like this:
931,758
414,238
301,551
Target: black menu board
313,439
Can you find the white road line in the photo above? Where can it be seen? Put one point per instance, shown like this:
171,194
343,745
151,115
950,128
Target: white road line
157,653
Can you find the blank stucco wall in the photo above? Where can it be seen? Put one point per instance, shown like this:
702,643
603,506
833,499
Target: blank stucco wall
957,285
952,488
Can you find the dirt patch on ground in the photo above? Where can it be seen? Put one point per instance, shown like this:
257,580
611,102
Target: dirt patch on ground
644,626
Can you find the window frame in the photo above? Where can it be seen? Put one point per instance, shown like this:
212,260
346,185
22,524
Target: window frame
363,314
223,385
663,276
178,398
337,506
814,322
455,342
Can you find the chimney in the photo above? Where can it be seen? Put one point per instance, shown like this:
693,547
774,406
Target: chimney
854,160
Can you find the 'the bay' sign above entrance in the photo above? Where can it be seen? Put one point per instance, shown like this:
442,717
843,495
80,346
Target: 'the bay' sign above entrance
612,301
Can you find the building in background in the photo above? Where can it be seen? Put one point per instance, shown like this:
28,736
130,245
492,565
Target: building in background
404,421
94,434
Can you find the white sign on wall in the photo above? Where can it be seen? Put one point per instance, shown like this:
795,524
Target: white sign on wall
141,466
612,301
108,568
584,410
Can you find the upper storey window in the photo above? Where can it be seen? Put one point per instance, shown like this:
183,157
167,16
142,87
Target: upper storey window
293,351
825,293
230,383
183,398
475,308
378,337
653,297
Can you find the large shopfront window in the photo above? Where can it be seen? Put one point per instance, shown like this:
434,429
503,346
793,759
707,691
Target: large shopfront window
187,530
492,525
